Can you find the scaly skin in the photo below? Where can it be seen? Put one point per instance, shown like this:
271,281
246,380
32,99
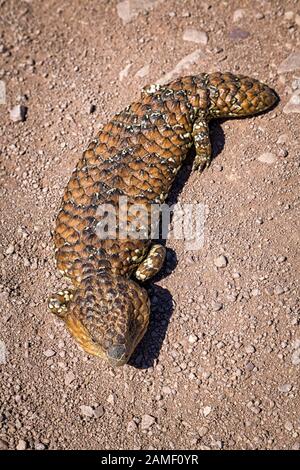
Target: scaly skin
137,154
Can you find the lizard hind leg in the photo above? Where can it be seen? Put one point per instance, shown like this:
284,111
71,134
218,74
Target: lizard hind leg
58,303
152,264
202,143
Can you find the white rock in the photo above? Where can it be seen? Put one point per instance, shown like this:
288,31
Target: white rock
193,339
22,445
69,378
39,446
267,157
10,249
207,410
296,344
296,84
238,15
288,426
128,9
296,357
289,15
147,422
220,261
203,431
285,388
194,35
143,72
131,426
183,65
293,105
290,64
3,445
49,353
111,399
124,73
18,113
99,411
87,411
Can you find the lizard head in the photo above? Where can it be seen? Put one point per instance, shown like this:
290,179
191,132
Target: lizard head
108,316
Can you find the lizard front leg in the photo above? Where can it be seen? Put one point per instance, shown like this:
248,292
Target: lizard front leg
58,303
202,143
152,264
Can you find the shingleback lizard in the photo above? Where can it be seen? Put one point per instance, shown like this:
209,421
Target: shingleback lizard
137,154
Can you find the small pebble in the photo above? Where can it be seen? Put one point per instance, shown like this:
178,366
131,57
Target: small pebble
259,16
216,306
193,35
91,108
3,445
143,72
293,105
124,72
238,15
111,399
203,431
147,422
238,34
193,339
207,410
288,426
296,357
250,349
10,250
99,411
18,113
87,411
69,378
49,353
267,157
285,388
39,446
290,64
283,153
131,426
166,390
221,261
289,15
278,290
249,366
236,275
22,445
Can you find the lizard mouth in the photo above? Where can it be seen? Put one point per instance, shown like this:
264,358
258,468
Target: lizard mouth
116,355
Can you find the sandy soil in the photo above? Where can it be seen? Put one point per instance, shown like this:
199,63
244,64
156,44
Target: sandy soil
219,366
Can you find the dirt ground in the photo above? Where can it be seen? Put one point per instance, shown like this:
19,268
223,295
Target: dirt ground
219,366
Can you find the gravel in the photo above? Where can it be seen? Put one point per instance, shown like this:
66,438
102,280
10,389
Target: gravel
59,68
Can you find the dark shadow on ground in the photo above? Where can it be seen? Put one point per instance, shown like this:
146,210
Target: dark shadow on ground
162,304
